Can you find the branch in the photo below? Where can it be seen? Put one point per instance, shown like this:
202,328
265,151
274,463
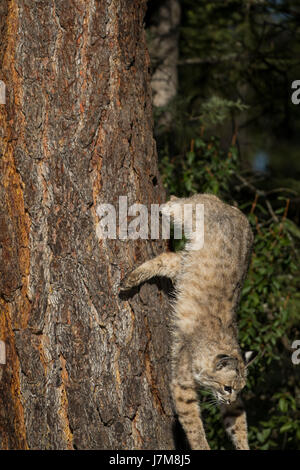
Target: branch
207,60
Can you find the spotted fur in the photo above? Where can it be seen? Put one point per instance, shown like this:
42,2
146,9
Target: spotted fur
208,283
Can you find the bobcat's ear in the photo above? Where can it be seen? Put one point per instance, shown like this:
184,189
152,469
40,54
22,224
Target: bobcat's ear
249,357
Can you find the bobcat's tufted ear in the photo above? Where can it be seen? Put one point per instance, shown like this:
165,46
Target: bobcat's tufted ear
249,357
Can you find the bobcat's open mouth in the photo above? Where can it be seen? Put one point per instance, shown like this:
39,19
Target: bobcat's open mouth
222,400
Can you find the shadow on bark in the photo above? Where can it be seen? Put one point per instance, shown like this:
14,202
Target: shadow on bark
163,284
179,437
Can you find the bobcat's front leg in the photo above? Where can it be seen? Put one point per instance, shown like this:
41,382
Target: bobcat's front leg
187,406
235,422
166,264
186,398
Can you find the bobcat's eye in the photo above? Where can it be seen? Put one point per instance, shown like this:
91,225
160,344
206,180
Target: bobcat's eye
227,389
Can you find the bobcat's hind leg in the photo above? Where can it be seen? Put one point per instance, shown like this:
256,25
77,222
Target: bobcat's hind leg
235,422
166,264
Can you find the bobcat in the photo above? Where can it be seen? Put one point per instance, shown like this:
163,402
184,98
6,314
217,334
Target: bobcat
208,281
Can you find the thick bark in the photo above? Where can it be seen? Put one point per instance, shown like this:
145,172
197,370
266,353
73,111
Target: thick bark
85,368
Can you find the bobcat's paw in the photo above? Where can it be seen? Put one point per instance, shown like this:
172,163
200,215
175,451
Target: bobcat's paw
129,281
124,284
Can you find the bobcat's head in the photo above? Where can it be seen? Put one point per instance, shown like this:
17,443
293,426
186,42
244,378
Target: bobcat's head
224,375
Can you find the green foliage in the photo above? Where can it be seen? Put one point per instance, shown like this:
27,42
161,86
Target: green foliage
268,324
268,314
203,166
216,110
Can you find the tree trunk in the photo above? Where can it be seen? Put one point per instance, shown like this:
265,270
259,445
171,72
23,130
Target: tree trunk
85,368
